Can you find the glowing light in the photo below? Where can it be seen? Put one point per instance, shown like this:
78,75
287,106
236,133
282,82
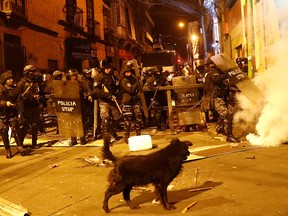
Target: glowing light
181,24
194,38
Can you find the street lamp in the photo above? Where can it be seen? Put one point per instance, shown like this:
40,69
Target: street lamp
181,24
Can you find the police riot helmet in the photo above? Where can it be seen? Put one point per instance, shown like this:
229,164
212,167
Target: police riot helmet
6,75
105,64
72,72
29,68
127,68
87,71
57,75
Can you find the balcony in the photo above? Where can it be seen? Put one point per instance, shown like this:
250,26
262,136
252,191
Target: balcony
12,10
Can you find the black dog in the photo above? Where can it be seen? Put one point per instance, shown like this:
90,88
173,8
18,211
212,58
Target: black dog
158,168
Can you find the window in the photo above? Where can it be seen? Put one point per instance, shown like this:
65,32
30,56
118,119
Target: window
90,16
71,8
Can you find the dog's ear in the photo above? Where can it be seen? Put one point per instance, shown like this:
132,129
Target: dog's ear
175,140
188,143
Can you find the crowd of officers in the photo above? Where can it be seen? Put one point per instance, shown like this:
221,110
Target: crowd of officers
118,98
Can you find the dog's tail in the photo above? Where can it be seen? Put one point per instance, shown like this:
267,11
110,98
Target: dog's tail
106,153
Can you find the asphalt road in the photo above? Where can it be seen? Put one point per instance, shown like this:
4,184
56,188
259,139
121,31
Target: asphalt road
240,179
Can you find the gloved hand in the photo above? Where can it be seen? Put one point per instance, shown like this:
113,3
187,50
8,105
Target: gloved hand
113,97
90,98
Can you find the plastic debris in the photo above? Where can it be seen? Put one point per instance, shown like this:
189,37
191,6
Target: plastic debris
51,166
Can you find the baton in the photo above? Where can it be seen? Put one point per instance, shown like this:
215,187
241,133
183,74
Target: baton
114,99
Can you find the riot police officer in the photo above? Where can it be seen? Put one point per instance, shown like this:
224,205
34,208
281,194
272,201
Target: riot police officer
223,100
30,88
106,90
74,77
11,109
88,82
128,94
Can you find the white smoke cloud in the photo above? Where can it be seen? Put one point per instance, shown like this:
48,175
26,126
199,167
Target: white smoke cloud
271,117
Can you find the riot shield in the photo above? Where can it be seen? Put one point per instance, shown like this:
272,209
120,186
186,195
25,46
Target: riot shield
141,93
186,98
238,78
68,108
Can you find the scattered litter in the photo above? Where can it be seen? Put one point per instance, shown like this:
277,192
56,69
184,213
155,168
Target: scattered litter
233,145
200,189
220,138
9,208
196,176
141,189
94,160
53,166
253,157
154,201
188,207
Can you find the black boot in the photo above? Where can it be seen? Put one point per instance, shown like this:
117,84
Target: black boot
126,137
8,153
73,141
20,148
6,143
230,136
34,139
232,139
83,141
138,132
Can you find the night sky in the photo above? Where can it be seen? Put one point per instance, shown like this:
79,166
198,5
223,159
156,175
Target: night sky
167,18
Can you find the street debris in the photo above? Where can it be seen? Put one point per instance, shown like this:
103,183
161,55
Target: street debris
253,157
141,189
200,189
188,207
8,208
96,161
51,166
219,138
196,176
155,201
231,145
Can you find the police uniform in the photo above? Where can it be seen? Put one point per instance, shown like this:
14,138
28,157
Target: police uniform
128,96
11,109
88,82
106,90
30,88
223,101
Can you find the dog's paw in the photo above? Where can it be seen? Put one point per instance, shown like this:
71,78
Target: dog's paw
106,209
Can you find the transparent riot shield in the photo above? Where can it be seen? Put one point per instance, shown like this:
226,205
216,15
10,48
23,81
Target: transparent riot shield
68,108
238,78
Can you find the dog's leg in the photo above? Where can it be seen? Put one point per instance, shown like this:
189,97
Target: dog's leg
162,194
108,194
126,196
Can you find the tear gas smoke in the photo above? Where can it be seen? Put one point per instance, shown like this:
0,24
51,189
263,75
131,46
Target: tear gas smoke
271,117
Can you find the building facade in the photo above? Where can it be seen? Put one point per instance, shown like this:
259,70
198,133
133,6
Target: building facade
71,33
247,28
